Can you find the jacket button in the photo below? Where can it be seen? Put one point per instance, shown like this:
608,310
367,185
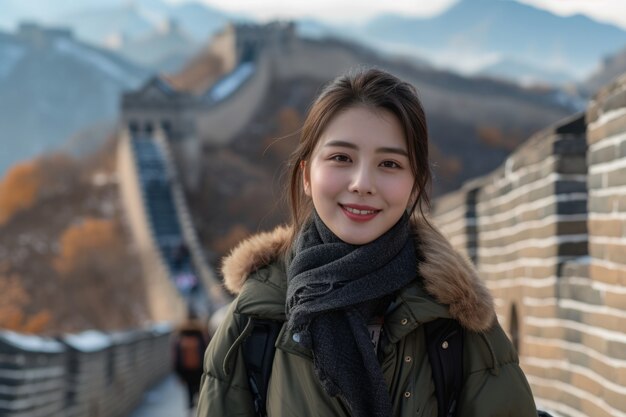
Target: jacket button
404,321
444,345
407,359
407,394
296,337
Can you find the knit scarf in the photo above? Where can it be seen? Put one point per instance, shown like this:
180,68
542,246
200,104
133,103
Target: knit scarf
333,291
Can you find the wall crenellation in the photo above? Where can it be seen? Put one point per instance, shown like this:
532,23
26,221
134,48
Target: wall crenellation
550,233
81,375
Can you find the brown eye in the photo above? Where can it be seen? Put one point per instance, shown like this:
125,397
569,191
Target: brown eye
389,164
340,158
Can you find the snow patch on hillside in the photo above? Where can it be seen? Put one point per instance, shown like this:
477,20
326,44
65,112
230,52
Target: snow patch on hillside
229,84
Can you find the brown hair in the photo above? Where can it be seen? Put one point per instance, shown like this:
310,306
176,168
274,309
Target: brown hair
375,89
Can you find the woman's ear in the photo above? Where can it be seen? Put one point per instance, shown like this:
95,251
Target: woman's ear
306,182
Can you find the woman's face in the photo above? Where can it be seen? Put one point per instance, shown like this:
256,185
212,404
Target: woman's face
359,176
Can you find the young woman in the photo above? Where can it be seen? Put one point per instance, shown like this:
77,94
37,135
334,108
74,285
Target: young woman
358,276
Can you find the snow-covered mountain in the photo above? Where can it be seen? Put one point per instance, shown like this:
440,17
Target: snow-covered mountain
473,35
525,74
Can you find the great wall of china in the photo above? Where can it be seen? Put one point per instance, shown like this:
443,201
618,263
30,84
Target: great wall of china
547,231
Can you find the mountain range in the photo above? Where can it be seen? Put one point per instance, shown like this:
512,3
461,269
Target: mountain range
54,90
502,38
473,34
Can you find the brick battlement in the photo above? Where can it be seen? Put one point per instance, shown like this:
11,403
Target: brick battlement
547,232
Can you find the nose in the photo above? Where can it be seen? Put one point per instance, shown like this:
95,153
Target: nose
362,182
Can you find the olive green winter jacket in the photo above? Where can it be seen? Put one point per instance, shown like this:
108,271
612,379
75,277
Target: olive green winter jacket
449,287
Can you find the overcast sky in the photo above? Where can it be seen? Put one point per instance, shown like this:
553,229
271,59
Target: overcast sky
609,11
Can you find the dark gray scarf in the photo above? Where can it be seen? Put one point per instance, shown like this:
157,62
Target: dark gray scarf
333,291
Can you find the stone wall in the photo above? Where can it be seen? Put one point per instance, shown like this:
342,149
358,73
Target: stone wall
550,242
81,375
164,300
456,217
322,61
217,124
602,306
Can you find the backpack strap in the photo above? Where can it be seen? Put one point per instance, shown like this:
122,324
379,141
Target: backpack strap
258,354
444,342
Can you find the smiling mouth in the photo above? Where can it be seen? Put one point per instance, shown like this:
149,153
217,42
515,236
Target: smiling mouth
363,213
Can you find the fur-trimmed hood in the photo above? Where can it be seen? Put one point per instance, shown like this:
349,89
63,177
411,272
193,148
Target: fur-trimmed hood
449,277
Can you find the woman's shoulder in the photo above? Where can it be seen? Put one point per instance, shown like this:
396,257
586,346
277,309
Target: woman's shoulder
251,255
451,279
255,272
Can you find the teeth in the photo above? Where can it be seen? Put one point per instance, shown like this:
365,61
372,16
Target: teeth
361,212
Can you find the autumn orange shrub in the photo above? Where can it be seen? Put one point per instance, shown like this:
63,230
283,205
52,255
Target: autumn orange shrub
99,273
89,242
495,137
18,189
13,306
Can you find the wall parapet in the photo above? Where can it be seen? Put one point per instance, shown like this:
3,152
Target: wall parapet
550,233
214,288
81,375
164,300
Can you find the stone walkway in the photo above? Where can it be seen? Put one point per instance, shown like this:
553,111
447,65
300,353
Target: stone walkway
167,399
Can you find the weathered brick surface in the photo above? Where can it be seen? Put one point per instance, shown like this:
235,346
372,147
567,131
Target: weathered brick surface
570,144
513,234
607,227
603,274
622,149
610,128
614,299
574,164
585,294
609,97
604,154
617,177
596,181
571,228
616,349
593,111
615,99
616,252
611,203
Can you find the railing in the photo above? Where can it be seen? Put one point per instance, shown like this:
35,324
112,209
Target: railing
165,302
91,374
215,292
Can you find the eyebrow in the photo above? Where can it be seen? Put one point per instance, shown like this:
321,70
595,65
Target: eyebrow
384,149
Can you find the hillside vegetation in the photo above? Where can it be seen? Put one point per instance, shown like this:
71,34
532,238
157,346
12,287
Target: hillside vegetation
66,262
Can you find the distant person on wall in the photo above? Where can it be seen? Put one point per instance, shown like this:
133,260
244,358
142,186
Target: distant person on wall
377,314
190,342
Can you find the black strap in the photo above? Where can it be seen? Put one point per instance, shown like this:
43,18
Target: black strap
258,353
444,342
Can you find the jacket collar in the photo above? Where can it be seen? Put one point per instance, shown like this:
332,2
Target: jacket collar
448,277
